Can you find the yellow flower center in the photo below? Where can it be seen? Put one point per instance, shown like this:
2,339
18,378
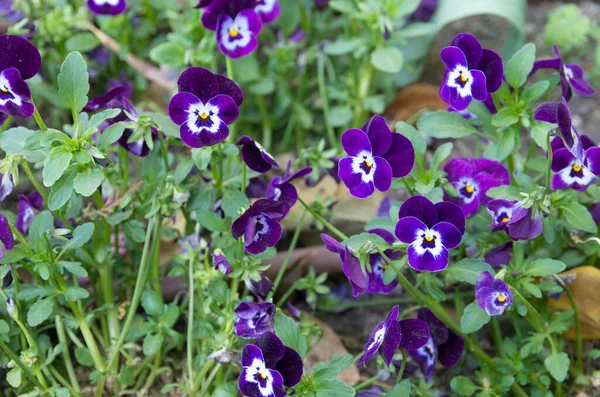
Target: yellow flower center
234,32
577,168
469,189
505,219
4,90
262,376
501,298
429,239
368,164
204,116
463,78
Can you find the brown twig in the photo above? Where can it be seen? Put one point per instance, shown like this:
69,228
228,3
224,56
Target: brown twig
111,203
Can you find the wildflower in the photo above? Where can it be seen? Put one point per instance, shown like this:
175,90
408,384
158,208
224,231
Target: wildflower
268,366
379,266
425,10
255,156
259,225
471,72
492,295
19,61
350,265
6,236
267,10
525,224
499,255
443,345
204,107
571,75
220,262
260,288
253,319
594,209
28,208
375,156
281,189
107,7
501,211
12,309
472,178
387,337
430,230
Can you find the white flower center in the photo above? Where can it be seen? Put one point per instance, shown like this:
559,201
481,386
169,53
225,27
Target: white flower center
109,2
265,6
467,189
203,117
577,173
235,32
7,94
258,374
461,79
364,164
428,240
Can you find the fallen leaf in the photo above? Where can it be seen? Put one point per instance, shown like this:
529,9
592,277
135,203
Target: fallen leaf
412,100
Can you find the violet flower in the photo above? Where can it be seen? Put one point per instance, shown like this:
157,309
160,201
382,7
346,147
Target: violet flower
259,225
443,345
204,107
350,265
6,236
6,185
471,72
28,208
430,230
267,10
379,265
253,319
220,262
375,156
472,178
19,61
594,209
525,224
255,156
575,158
107,7
281,189
387,337
492,295
501,211
260,288
425,10
500,255
268,366
571,75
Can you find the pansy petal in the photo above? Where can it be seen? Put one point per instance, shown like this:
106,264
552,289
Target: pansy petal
400,156
471,208
355,141
485,182
353,271
290,367
458,169
251,353
546,111
179,107
582,87
420,207
562,159
204,137
484,280
23,111
229,87
478,88
491,65
415,333
271,347
437,329
450,353
391,342
450,212
373,344
17,85
200,82
593,158
379,135
470,46
354,181
408,228
228,109
383,174
452,57
392,316
427,261
451,236
17,52
546,64
332,244
563,119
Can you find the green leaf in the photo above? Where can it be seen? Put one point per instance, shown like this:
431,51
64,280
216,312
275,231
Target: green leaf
468,270
83,42
539,132
358,241
531,94
579,217
40,224
81,235
151,303
334,388
545,267
558,365
441,154
39,312
264,86
165,124
73,82
73,294
343,6
520,65
341,115
88,181
233,201
463,386
169,53
12,141
505,118
332,368
5,329
212,221
387,59
62,190
55,164
443,124
218,290
74,268
134,230
84,357
473,318
343,46
290,334
110,135
503,148
506,191
13,377
183,170
152,343
202,157
127,376
402,389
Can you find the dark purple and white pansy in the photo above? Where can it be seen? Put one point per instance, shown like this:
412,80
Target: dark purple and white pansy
238,36
492,295
430,230
255,156
375,156
6,236
107,7
518,222
281,188
350,265
220,262
500,255
28,208
267,10
501,211
259,225
472,178
387,337
471,72
253,319
379,265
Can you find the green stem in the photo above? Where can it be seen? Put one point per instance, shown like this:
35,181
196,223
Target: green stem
164,151
156,264
402,367
152,232
319,218
62,338
207,366
154,370
549,173
209,380
244,172
124,164
6,123
38,119
34,181
497,335
287,295
366,383
88,337
325,101
410,189
266,122
291,249
536,318
190,325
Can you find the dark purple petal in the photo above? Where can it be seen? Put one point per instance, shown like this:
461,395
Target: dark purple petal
6,236
500,255
561,159
355,141
260,288
427,261
17,86
237,37
382,175
594,209
415,333
450,353
332,244
353,271
546,64
230,88
408,228
391,342
546,111
179,107
227,108
373,344
255,157
485,280
220,262
425,11
400,156
202,83
17,52
593,160
251,353
103,7
478,87
426,358
451,236
452,57
450,212
272,349
379,135
491,65
290,367
438,330
458,169
420,207
28,207
485,182
101,102
354,181
384,208
268,11
470,46
203,137
253,319
524,225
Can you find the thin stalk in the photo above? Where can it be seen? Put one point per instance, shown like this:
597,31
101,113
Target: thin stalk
164,151
190,325
50,370
124,163
6,123
38,119
244,172
536,318
366,383
230,75
549,173
62,338
90,341
209,380
34,181
325,101
156,264
402,367
318,217
154,370
267,138
410,189
291,249
497,335
287,295
207,366
137,292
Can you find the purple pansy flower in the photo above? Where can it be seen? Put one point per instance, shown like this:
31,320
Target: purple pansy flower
268,366
259,225
501,211
443,345
253,319
19,61
6,236
499,255
375,156
571,75
255,156
594,209
430,230
350,265
220,262
238,36
260,288
492,295
387,337
281,189
107,7
267,10
425,10
204,107
525,224
29,206
575,158
472,178
379,265
471,72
